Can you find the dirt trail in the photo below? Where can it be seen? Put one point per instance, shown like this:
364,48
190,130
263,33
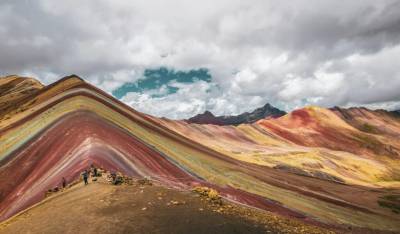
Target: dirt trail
104,208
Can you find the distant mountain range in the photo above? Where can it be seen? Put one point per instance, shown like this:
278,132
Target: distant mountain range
248,117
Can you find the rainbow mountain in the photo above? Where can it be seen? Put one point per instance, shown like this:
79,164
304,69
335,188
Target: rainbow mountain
329,167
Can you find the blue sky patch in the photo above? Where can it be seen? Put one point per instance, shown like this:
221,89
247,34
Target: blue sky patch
154,79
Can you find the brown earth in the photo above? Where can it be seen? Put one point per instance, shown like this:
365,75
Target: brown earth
103,208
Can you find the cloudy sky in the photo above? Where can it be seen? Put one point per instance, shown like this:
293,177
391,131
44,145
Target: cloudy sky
177,58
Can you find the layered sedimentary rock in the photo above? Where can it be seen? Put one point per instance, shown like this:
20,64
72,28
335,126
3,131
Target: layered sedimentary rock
312,164
13,90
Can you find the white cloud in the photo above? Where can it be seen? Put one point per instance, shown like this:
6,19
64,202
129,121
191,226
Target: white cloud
318,87
190,98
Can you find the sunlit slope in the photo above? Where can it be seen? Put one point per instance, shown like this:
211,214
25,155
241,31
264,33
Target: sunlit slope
315,126
379,122
13,91
71,124
360,152
27,104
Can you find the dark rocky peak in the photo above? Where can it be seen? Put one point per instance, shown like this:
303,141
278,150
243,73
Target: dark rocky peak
248,117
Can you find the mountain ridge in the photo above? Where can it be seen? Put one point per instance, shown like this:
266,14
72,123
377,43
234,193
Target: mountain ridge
247,117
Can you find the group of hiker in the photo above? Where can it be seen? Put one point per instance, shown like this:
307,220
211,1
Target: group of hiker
93,171
86,173
112,177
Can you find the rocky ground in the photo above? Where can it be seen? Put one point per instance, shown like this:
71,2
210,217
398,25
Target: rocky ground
144,207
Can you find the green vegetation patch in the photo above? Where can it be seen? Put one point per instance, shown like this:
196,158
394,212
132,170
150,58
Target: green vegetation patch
391,202
368,128
369,142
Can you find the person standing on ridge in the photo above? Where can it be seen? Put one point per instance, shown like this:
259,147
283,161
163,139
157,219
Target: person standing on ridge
64,182
85,176
93,170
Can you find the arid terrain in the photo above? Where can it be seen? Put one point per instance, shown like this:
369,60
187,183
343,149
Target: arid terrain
142,208
313,168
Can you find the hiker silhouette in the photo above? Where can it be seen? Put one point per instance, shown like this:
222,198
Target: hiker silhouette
85,176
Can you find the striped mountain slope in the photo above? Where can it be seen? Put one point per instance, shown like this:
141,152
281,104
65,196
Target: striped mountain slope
313,164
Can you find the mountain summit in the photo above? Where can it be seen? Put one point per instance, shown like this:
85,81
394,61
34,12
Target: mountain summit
247,117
